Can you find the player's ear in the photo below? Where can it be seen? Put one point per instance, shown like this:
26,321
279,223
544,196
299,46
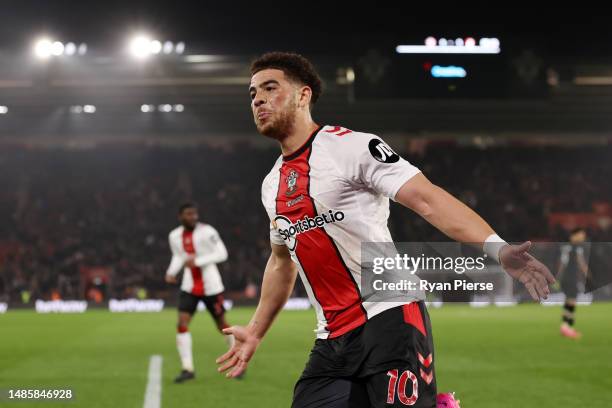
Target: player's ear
305,95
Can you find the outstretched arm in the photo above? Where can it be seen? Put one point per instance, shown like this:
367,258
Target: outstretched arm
462,224
278,281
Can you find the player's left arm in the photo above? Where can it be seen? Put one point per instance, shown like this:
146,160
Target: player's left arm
462,224
214,252
176,264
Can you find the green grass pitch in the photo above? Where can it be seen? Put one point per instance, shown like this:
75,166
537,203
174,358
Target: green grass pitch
492,357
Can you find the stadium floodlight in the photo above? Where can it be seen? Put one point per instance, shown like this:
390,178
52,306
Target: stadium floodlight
350,75
180,47
57,48
168,47
89,109
178,108
140,46
70,49
147,108
82,50
155,47
165,108
76,109
43,48
3,110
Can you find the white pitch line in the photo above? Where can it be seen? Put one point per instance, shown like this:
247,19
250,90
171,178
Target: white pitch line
153,391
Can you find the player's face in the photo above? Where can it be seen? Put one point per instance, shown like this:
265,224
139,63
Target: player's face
189,217
273,102
577,237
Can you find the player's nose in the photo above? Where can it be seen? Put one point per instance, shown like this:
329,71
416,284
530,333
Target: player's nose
258,101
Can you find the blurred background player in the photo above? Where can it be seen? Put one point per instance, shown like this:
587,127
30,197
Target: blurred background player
196,250
572,265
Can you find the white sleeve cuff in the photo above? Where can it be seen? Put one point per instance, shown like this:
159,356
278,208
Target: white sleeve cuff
492,245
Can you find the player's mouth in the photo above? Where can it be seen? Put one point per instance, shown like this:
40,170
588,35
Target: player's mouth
261,116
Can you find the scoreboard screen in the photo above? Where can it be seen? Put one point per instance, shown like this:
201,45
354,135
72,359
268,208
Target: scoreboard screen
446,70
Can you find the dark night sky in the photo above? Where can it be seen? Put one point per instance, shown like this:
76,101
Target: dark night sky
252,27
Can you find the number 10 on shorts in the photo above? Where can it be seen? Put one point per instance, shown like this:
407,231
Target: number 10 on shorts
401,387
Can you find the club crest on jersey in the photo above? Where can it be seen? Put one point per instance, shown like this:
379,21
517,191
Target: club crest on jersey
291,182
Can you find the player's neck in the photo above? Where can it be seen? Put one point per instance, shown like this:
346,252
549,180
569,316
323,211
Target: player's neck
302,129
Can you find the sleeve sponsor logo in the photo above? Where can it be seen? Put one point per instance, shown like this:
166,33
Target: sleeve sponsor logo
382,152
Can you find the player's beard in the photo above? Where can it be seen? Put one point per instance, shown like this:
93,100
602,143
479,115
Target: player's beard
281,127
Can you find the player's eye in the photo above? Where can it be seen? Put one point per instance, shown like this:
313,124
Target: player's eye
252,95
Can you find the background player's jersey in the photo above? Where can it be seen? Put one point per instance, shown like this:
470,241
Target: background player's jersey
205,244
323,201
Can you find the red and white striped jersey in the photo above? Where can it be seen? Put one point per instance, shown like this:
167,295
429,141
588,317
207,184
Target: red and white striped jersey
205,244
323,201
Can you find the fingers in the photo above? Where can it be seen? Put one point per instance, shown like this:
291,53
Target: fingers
540,283
225,356
229,364
542,291
524,247
543,270
531,289
535,283
542,275
538,276
228,330
238,370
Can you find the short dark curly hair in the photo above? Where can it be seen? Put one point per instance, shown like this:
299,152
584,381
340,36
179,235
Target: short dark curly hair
295,67
186,205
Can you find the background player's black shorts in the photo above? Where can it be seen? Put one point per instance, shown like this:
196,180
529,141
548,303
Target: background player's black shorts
569,283
189,303
387,362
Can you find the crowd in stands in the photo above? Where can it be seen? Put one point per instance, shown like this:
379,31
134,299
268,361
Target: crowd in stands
65,211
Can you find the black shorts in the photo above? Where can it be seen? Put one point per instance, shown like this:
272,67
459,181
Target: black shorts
387,362
569,283
189,303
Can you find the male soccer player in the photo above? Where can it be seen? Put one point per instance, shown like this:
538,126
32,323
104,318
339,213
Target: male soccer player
196,250
572,265
327,193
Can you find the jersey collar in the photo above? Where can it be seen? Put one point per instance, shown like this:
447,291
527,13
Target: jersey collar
305,146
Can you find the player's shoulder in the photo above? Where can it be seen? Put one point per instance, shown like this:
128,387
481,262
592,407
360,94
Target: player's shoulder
206,228
270,182
176,232
274,170
341,139
346,147
341,134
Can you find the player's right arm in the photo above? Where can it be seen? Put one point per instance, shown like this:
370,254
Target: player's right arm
176,264
278,281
